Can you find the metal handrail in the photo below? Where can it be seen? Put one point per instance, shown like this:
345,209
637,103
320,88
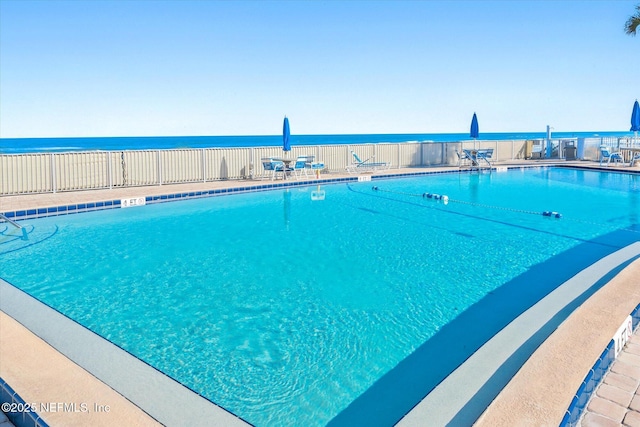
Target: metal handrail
12,222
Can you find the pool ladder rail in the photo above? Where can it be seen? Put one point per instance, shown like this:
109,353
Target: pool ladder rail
15,224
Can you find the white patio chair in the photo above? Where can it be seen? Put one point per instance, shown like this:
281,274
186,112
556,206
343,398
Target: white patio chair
485,154
301,165
463,158
267,168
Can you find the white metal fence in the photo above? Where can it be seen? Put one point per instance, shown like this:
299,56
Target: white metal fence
84,170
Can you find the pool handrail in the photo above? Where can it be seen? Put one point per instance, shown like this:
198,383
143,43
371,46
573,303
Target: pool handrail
10,221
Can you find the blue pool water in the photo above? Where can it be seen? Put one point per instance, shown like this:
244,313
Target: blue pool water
286,306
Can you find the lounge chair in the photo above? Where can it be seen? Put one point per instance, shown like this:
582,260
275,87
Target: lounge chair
357,165
608,155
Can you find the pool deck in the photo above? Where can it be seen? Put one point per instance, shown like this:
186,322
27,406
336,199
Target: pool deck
33,201
541,391
538,395
617,398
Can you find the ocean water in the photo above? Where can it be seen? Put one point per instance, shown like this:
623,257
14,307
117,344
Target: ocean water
284,308
34,145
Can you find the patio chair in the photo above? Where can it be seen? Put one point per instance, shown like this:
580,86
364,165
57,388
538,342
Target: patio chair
267,167
280,167
463,158
301,165
273,167
485,154
357,165
608,155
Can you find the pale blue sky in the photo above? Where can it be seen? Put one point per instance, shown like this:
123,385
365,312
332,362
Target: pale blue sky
146,68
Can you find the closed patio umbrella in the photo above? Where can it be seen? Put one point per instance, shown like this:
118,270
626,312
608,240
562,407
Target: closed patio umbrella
475,131
286,144
635,120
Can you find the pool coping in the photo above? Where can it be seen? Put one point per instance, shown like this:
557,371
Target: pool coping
140,197
157,394
465,394
542,392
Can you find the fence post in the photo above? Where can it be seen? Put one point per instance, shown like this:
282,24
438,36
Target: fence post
203,163
53,173
252,163
159,165
109,170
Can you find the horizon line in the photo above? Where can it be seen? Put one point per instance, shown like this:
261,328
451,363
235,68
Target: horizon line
309,134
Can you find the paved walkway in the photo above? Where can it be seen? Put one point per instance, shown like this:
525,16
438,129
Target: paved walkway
31,201
541,391
616,401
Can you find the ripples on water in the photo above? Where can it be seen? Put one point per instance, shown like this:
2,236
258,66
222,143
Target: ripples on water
283,309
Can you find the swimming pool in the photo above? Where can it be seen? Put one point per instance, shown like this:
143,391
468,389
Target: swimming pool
289,304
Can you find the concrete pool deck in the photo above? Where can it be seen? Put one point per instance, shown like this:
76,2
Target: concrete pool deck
538,394
42,375
541,391
33,201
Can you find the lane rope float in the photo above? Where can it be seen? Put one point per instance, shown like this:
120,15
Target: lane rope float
446,200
